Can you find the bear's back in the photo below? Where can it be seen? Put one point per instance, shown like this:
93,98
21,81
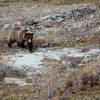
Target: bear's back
14,33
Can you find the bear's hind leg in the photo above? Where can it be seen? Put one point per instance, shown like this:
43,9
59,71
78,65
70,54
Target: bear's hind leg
9,43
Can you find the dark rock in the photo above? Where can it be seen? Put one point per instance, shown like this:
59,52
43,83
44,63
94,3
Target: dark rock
30,22
35,90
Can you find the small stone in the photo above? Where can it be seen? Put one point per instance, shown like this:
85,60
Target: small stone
49,18
60,19
30,22
18,23
7,26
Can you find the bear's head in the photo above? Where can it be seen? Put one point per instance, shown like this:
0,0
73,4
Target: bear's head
28,36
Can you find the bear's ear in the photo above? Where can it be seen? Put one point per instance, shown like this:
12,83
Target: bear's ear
27,28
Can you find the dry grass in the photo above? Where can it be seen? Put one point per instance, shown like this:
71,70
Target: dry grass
51,1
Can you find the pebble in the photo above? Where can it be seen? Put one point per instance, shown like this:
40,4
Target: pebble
7,26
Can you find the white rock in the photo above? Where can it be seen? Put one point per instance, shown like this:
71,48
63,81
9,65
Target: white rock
17,81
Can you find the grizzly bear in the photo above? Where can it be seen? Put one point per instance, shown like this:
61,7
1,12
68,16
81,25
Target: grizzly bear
21,35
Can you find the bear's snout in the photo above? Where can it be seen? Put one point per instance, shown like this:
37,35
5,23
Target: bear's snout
29,40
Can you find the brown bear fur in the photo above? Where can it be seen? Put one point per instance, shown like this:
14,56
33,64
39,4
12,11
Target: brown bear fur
20,35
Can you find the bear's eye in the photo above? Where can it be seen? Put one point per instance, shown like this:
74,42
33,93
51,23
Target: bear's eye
25,36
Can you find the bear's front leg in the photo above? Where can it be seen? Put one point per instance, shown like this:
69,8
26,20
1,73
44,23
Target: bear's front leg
30,46
21,44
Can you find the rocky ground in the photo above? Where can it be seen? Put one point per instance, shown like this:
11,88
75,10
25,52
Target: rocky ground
65,64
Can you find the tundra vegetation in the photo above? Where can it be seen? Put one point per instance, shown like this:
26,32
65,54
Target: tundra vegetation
66,45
